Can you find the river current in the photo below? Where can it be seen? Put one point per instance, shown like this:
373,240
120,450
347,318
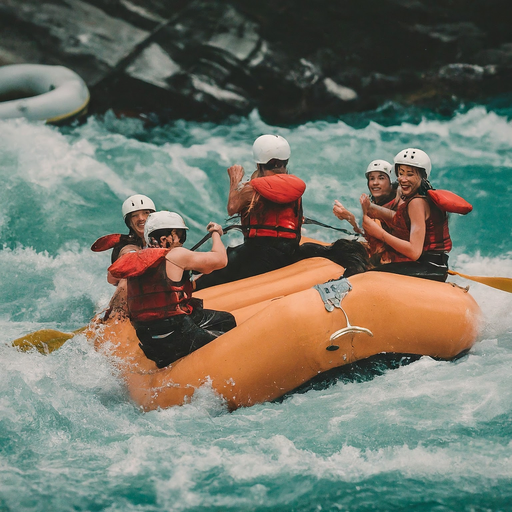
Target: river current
430,435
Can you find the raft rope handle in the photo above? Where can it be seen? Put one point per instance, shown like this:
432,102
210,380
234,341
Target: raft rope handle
349,329
332,293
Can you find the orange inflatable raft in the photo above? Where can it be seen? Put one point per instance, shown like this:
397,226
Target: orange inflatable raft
286,336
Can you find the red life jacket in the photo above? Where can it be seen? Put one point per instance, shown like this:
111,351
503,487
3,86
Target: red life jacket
277,212
377,249
437,236
449,202
136,263
153,296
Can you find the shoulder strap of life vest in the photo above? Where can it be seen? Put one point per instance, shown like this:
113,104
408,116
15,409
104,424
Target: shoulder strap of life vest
279,188
134,264
449,202
106,242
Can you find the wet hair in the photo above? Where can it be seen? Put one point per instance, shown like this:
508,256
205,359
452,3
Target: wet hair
425,185
159,233
350,254
274,165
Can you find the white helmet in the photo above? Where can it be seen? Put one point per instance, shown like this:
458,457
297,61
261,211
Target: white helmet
135,203
380,166
268,147
162,220
414,158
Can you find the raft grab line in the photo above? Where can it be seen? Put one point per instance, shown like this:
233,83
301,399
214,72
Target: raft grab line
332,294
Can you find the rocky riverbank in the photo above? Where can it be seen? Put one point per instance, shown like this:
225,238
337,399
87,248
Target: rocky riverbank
293,60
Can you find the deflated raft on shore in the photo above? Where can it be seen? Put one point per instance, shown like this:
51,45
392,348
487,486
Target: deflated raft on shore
286,336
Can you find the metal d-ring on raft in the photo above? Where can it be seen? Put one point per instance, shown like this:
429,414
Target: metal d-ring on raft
332,293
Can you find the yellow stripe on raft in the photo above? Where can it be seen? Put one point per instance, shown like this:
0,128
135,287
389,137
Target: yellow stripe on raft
283,343
68,115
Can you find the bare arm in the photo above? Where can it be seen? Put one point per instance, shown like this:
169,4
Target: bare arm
239,195
412,248
204,262
343,214
112,280
375,211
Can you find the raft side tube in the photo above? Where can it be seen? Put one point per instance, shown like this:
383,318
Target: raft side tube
284,345
284,281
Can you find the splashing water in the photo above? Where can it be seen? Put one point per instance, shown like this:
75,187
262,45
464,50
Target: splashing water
428,436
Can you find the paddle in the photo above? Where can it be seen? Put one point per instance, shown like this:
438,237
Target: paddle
46,341
209,235
106,242
500,283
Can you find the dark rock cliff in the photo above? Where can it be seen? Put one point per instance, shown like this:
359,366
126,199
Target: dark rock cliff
293,60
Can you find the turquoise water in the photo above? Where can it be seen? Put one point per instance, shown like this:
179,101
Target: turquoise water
428,436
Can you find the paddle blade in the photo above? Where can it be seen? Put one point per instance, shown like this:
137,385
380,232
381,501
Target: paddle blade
44,341
500,283
106,242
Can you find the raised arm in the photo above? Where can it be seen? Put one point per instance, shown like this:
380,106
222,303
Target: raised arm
375,211
239,195
204,262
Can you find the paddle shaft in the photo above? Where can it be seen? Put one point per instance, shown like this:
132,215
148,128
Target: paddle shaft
500,283
209,235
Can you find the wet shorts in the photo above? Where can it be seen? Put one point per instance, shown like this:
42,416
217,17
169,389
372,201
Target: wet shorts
165,341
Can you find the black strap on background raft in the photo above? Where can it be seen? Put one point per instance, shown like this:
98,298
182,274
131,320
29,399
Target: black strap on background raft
316,223
305,221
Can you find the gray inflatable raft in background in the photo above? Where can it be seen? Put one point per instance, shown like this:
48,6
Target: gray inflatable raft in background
41,93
